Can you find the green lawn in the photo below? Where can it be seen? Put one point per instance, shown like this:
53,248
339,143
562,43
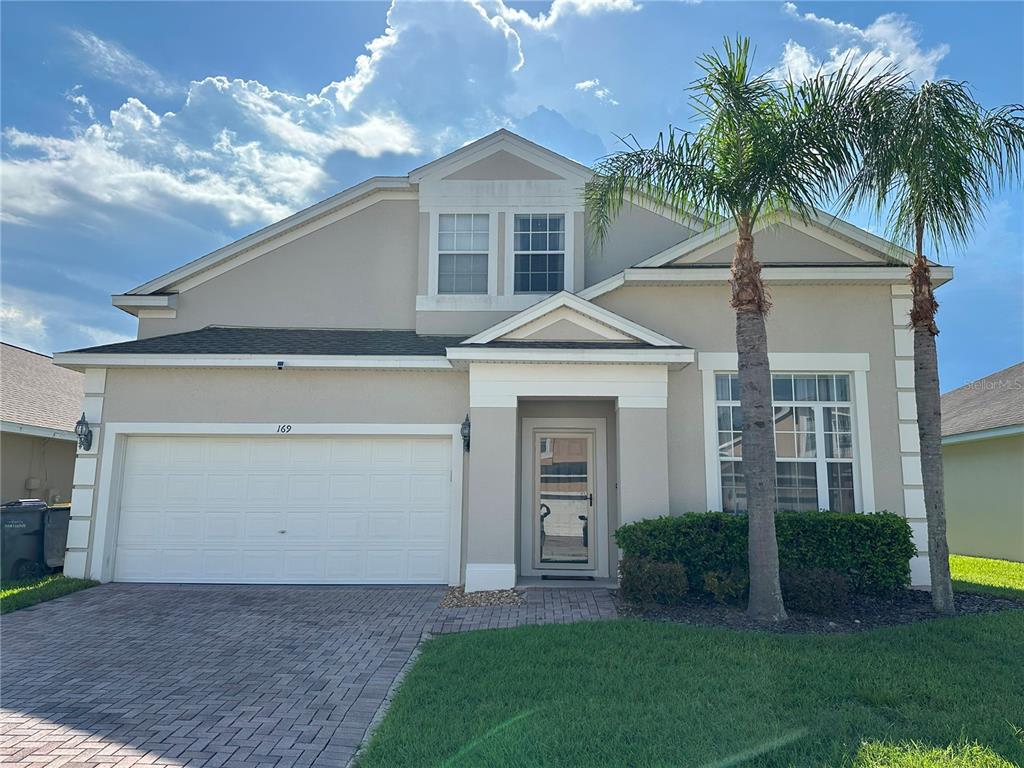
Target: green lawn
22,594
992,577
634,693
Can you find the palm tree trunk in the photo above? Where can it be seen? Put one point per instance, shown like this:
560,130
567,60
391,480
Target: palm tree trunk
929,424
751,303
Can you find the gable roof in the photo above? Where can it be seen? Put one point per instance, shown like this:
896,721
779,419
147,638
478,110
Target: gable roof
503,139
858,243
36,393
549,306
993,402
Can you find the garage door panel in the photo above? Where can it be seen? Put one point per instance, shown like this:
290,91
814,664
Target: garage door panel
285,509
348,490
346,525
428,526
183,527
389,490
307,489
427,564
221,526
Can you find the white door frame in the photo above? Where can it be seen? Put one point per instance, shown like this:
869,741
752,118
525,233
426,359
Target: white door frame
600,484
115,434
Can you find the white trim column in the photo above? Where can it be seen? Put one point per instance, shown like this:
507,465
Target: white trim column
910,442
83,492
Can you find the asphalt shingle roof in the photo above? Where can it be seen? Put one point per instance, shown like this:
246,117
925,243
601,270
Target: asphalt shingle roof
994,401
37,393
218,340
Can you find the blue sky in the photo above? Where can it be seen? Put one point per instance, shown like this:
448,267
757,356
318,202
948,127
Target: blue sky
138,136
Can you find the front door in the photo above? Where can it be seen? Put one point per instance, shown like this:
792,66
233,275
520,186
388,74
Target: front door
563,509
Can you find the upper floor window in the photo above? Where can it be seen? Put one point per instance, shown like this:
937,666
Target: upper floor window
539,251
813,442
463,240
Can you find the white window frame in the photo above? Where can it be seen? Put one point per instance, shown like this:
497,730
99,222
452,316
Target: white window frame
820,459
568,279
433,258
856,365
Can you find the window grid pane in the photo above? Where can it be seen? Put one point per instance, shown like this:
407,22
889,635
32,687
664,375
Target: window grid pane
463,242
812,417
538,241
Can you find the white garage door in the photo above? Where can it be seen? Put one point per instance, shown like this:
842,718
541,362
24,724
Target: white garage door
300,510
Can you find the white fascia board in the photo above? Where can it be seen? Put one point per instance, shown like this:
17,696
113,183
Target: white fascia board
501,139
817,362
603,287
33,431
983,434
148,300
603,355
584,307
86,360
303,217
836,274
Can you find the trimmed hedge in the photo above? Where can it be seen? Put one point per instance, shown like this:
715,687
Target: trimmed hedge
648,581
871,551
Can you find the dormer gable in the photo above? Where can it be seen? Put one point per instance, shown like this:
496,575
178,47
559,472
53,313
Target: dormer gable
566,318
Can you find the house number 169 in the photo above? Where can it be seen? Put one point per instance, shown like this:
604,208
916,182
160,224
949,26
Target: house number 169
284,428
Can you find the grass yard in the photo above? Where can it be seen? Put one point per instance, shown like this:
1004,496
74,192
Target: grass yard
22,594
1001,578
634,693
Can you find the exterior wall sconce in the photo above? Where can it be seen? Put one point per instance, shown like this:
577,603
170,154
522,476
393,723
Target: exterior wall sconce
84,433
464,431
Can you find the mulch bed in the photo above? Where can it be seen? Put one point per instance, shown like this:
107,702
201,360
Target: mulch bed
862,613
456,597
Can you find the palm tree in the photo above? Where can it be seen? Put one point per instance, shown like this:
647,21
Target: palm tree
763,149
931,159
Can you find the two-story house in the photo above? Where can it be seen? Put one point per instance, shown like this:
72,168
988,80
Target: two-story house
439,378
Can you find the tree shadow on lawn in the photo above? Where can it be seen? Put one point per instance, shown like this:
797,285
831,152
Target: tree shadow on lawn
634,693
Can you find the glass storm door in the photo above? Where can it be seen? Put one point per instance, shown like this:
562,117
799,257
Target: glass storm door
563,500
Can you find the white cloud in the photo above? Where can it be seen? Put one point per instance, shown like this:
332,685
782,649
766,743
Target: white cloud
889,39
560,9
253,154
109,60
600,93
21,327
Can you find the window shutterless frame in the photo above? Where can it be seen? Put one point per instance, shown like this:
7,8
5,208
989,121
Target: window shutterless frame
568,267
433,252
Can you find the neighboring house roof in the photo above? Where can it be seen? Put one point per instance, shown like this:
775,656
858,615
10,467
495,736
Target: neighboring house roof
35,393
994,402
221,340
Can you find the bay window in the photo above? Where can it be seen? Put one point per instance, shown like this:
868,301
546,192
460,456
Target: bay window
813,442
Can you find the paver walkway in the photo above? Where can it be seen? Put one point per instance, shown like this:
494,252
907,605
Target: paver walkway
212,676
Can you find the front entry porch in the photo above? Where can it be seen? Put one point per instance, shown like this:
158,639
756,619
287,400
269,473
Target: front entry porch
561,455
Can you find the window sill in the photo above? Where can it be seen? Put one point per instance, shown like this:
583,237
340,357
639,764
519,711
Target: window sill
468,302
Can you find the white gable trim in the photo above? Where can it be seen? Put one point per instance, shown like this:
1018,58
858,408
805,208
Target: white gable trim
511,143
583,307
824,227
302,223
581,321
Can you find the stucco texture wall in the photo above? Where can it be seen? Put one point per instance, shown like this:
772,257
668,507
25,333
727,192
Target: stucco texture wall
832,318
359,272
985,497
289,395
48,460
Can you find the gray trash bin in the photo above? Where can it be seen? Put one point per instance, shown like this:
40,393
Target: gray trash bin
22,539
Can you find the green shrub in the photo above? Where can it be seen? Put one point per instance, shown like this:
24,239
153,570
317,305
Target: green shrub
642,580
726,588
871,551
814,590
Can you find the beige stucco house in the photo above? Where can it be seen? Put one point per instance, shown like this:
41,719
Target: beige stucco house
983,458
438,378
39,405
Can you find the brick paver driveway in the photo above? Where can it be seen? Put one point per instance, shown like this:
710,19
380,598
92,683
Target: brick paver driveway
220,676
